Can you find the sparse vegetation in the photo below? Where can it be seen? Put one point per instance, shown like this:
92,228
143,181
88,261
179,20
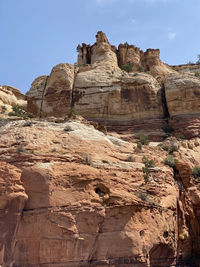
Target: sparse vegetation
144,140
172,149
197,74
139,145
72,113
182,137
19,111
170,161
141,69
169,148
196,171
149,164
128,67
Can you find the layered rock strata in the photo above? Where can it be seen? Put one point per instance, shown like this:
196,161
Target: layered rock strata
182,96
89,204
99,89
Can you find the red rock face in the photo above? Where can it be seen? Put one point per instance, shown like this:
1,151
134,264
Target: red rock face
88,203
12,200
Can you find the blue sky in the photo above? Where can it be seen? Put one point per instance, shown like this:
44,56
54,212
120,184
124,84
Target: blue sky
38,34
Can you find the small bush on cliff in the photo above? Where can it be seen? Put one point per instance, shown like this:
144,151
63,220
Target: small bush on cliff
196,171
148,163
19,111
170,161
72,113
197,74
144,139
141,69
172,149
128,67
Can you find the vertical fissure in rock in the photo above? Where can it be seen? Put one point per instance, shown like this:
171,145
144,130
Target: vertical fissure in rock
41,106
94,246
164,102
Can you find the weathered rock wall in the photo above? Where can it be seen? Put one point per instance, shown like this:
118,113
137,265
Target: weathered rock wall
98,211
98,89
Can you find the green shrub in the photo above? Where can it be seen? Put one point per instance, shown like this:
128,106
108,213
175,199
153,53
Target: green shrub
144,140
72,113
170,161
165,147
128,67
197,74
141,69
139,145
196,171
172,149
149,163
19,111
147,169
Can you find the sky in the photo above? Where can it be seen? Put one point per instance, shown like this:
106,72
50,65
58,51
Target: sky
35,35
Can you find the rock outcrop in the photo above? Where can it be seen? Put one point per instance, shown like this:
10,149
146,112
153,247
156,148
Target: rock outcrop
52,95
98,89
10,97
182,97
73,196
89,203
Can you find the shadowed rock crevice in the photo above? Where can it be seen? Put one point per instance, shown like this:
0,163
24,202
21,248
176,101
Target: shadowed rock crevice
164,102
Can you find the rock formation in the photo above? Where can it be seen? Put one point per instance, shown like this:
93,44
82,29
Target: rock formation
89,204
10,97
73,196
99,89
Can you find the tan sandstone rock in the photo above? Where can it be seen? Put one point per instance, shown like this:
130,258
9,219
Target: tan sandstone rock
182,96
10,97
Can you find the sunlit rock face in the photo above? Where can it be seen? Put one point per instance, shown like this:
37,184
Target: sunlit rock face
182,97
73,196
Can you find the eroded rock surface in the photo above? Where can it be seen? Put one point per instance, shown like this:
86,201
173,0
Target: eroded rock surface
10,97
182,97
88,201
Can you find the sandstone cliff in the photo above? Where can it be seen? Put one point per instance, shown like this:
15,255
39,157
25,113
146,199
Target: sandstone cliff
100,90
73,196
10,97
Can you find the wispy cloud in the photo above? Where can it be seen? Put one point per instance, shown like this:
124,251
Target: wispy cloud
171,35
